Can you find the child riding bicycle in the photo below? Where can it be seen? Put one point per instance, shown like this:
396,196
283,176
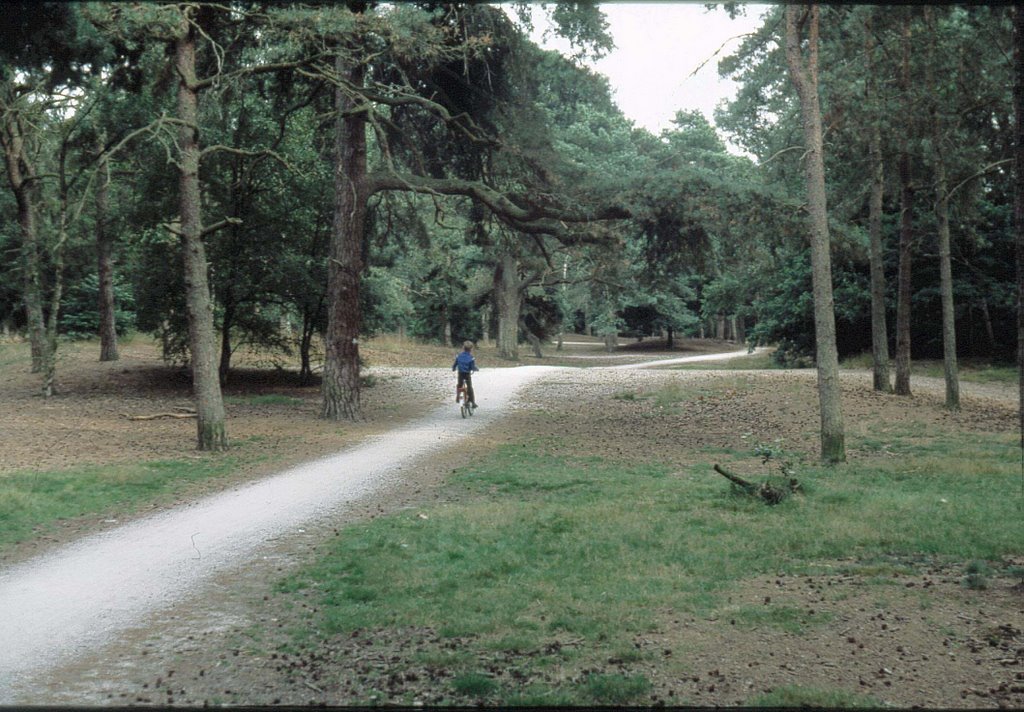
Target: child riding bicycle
465,364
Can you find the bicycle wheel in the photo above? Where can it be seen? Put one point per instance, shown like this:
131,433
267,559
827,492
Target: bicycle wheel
466,410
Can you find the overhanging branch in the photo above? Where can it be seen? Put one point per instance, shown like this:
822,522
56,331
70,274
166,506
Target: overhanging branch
530,219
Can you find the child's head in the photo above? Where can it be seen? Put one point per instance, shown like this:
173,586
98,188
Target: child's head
467,346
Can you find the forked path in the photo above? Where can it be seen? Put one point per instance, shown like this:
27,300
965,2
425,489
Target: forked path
77,598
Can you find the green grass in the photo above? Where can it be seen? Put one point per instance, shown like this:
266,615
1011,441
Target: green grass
32,502
787,618
540,547
614,689
814,698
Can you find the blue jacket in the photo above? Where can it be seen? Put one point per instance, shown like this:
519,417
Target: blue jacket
465,362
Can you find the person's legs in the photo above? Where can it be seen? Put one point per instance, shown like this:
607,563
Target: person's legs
469,389
463,377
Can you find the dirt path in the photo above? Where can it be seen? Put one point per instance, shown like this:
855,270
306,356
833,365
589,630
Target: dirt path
75,599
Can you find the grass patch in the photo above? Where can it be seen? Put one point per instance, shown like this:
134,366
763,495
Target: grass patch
34,501
536,547
474,685
814,698
614,689
787,618
628,396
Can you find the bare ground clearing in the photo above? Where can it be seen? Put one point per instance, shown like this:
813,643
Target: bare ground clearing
919,639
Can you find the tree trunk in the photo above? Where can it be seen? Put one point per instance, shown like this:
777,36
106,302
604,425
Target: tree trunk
446,317
986,319
305,345
509,298
210,420
720,327
105,265
611,341
879,328
228,320
485,325
57,268
340,386
805,76
942,225
1018,202
739,329
669,338
22,187
946,290
534,341
903,288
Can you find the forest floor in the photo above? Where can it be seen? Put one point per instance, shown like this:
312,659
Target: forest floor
922,639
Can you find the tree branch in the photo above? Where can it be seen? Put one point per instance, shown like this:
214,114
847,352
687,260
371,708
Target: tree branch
218,226
529,219
979,174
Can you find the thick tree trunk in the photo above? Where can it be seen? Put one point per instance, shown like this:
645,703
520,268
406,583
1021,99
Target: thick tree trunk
739,329
669,338
805,76
210,420
340,386
903,287
105,266
509,299
21,186
879,329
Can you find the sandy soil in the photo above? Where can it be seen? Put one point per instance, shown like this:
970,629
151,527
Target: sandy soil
924,640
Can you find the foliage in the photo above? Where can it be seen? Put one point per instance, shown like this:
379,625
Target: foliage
81,318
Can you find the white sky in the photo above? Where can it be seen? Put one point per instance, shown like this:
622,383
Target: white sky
658,45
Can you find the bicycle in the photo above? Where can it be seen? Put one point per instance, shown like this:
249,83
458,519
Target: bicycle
462,398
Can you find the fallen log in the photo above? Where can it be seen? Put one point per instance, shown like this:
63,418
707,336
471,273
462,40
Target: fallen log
766,491
748,487
154,416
